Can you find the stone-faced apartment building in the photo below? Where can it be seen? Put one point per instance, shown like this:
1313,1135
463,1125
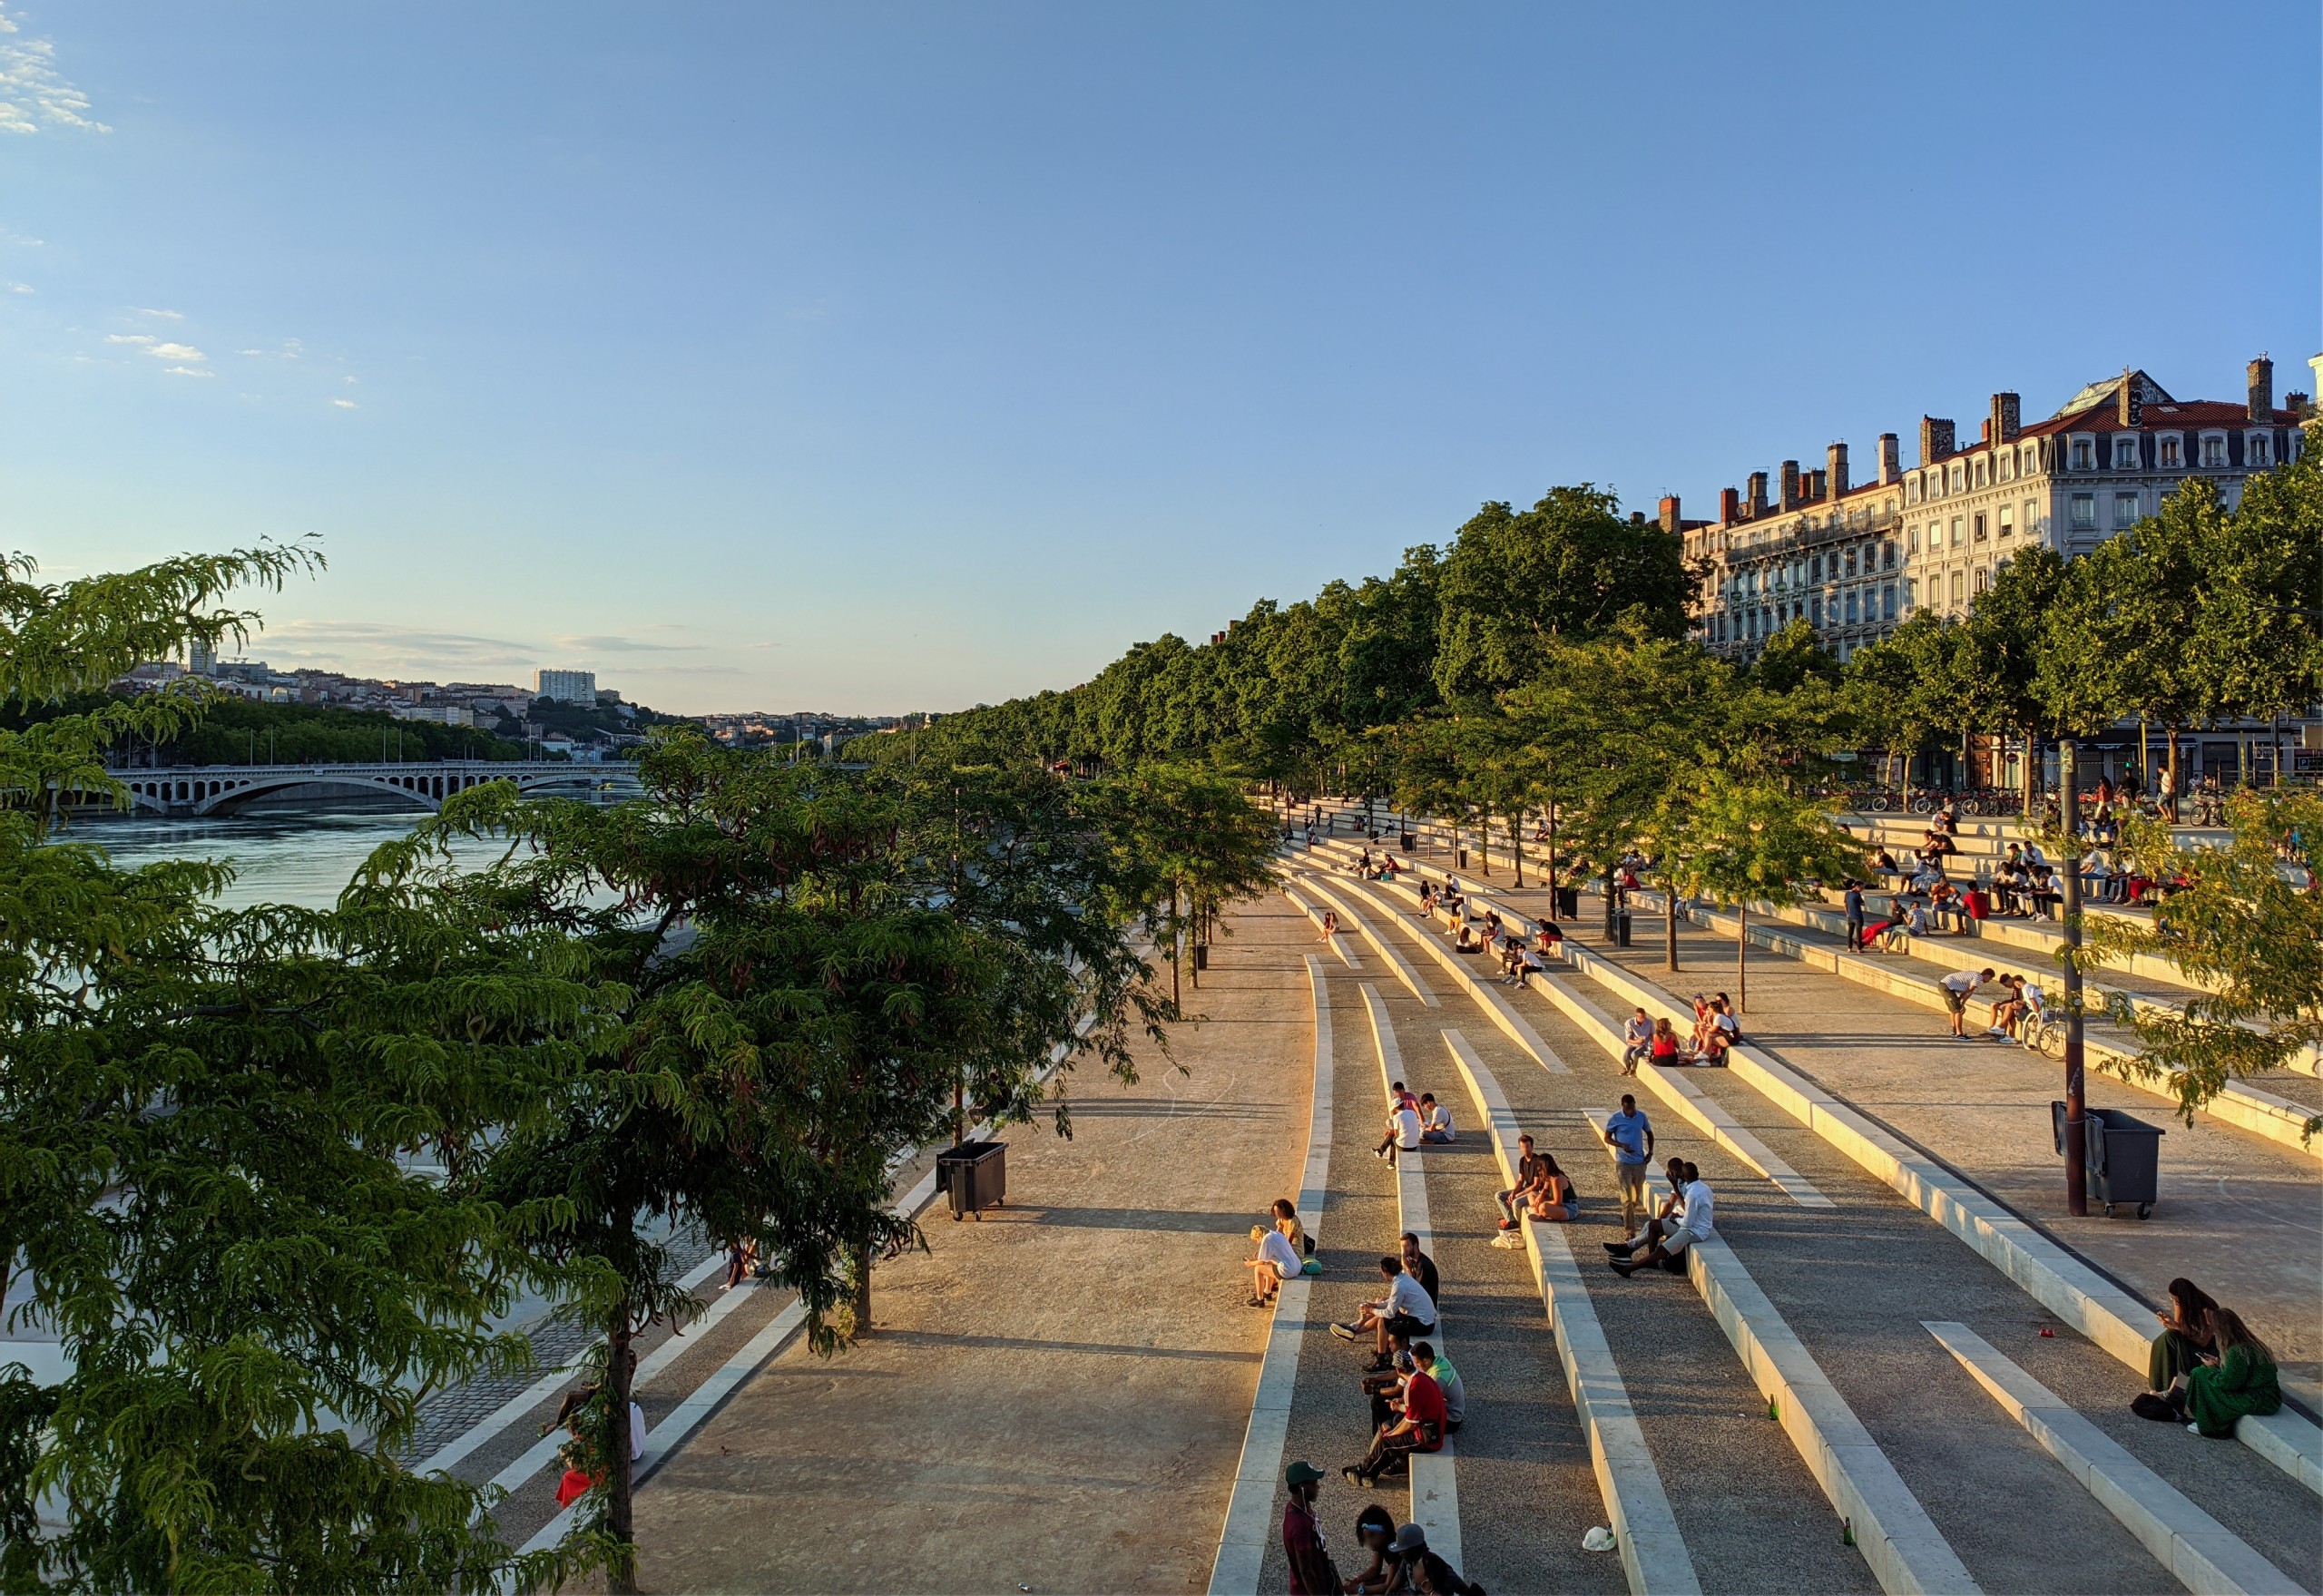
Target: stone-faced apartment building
1855,560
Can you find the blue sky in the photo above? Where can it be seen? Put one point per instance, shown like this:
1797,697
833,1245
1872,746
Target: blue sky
884,358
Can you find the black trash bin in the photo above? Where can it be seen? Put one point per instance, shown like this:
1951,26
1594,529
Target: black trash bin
1568,901
975,1175
1621,928
1202,955
2121,1156
1463,858
1410,842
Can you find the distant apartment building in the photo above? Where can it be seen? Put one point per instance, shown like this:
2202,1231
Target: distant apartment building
569,686
1853,561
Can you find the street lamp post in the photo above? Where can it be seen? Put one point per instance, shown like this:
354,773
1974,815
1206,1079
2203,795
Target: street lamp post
2076,1107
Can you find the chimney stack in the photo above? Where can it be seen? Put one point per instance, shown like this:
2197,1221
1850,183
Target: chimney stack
1891,459
1729,506
1790,484
2261,373
1835,465
2296,402
1985,433
1670,513
1818,487
1936,440
2131,408
1757,495
2007,419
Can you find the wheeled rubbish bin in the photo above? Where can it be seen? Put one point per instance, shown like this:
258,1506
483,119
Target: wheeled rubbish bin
973,1175
2121,1156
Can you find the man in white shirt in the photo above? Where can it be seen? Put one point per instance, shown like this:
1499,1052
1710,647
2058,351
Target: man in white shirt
1405,1311
1436,1121
1687,1218
1957,986
1404,1128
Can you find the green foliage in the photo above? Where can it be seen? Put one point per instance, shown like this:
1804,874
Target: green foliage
1569,568
1732,841
237,730
219,1134
1187,843
2242,930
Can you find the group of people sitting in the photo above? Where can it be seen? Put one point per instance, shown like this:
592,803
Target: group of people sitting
1542,1193
1715,1032
2019,1011
1414,1121
1379,866
2207,1370
1415,1394
1402,1562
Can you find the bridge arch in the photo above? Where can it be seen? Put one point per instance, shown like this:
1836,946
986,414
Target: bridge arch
216,789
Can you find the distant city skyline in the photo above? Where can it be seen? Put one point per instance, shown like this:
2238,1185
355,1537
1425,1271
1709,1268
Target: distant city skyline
907,357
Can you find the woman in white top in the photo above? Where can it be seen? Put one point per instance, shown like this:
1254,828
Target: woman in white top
1278,1261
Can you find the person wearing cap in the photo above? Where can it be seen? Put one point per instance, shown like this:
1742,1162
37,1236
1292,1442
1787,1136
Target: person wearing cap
1423,1571
1312,1572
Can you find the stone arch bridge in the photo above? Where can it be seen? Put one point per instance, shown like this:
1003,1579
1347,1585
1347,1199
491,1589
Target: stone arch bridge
186,790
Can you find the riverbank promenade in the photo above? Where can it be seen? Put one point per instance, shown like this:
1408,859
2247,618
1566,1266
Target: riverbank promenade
1843,1393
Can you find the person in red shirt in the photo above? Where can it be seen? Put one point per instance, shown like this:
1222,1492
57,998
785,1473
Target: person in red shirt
1312,1572
1421,1429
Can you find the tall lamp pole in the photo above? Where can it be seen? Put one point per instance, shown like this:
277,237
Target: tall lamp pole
2076,1106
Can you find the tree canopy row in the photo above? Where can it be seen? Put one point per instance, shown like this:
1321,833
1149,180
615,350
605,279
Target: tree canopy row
272,1175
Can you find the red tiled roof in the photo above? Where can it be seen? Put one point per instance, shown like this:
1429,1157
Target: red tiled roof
2175,417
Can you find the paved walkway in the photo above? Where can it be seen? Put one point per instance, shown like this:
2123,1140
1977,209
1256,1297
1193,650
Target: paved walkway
1054,1397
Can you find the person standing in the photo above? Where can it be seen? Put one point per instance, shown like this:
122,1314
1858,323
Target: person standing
1312,1572
1853,901
1958,987
1631,1136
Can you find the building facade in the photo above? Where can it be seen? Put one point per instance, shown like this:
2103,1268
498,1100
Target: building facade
1856,562
569,686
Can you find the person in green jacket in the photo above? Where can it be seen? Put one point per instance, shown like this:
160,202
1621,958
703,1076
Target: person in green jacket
2242,1381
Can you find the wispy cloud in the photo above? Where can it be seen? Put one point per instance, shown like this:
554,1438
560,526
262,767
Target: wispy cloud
346,404
190,371
20,287
176,352
33,93
397,649
614,643
130,338
164,315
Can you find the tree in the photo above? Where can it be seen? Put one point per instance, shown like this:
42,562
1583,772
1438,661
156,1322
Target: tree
1998,659
1733,842
1569,568
214,1128
1189,843
2242,932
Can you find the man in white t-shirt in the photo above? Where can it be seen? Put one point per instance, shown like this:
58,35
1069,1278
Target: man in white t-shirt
1278,1261
1405,1128
1957,986
1405,1311
1436,1121
1689,1216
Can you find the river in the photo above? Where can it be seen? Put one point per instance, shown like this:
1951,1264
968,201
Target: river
305,859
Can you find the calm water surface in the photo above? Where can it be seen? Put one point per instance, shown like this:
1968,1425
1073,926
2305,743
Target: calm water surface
305,858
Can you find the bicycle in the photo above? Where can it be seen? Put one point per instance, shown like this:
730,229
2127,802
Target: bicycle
2045,1035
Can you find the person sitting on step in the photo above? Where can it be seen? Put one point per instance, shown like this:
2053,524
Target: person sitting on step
2184,1343
1532,1171
1435,1121
1685,1219
1420,1427
1278,1261
1407,1309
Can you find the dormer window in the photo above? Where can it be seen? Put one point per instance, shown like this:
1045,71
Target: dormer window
2125,451
2213,449
2005,468
1911,490
2255,452
2085,454
1959,478
2171,453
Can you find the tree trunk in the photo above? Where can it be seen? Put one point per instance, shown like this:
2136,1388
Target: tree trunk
863,1291
1552,812
1741,958
2170,807
2032,775
621,1571
1484,838
1613,892
1670,925
1516,846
